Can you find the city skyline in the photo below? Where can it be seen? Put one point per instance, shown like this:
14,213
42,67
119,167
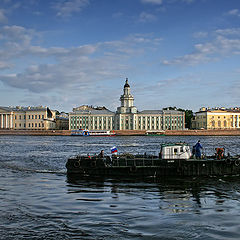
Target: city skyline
67,53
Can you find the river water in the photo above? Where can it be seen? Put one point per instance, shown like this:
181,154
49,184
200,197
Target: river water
38,201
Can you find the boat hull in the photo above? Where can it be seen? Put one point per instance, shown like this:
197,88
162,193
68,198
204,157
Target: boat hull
147,167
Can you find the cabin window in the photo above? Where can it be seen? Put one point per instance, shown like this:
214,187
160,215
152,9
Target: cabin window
181,149
175,150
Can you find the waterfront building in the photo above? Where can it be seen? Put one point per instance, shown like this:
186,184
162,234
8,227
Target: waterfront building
217,118
62,121
6,118
27,118
127,117
88,117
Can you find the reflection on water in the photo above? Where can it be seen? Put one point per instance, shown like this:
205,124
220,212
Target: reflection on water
38,200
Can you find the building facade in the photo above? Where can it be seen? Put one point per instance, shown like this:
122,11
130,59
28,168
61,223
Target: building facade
27,118
127,117
86,117
219,118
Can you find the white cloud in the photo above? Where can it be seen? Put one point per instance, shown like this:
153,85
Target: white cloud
234,12
67,8
228,31
158,2
3,18
147,17
66,69
5,65
200,35
223,45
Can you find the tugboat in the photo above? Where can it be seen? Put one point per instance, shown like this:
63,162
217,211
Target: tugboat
174,159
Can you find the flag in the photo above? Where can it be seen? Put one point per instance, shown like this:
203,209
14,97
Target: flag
113,150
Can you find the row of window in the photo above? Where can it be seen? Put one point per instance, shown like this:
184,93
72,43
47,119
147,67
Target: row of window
20,125
29,117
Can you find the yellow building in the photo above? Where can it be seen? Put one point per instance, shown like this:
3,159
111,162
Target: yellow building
27,118
219,118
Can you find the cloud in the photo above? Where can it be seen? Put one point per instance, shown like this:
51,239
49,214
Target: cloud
4,65
67,8
228,31
66,69
147,17
3,18
234,12
200,35
158,2
223,45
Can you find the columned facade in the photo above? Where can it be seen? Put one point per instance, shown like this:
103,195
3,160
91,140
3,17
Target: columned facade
127,117
6,118
217,119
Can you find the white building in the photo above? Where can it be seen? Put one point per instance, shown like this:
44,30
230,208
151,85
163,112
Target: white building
127,117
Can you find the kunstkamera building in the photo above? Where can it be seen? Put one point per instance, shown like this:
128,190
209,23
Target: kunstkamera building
127,117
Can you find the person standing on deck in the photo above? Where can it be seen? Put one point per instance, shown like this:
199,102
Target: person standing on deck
198,148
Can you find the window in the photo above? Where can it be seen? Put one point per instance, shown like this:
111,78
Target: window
35,124
35,116
20,116
29,116
29,125
39,116
32,117
32,125
42,116
39,124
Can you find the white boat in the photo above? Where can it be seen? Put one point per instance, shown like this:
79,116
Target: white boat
97,133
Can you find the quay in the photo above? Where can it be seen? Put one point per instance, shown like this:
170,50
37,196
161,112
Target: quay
223,132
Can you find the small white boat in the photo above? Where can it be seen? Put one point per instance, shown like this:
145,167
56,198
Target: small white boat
97,133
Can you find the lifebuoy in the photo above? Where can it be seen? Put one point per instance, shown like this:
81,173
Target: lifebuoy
237,162
77,164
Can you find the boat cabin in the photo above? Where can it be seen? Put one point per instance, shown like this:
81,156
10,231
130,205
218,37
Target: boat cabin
175,151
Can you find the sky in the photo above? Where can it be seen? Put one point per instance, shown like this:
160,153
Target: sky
67,53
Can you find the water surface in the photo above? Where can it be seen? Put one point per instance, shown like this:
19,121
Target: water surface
39,201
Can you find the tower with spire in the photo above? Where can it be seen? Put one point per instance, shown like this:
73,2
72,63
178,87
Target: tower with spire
126,100
125,115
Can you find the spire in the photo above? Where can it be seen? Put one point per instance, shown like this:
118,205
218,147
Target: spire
126,83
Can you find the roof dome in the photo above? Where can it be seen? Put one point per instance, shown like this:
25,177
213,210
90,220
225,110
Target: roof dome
126,83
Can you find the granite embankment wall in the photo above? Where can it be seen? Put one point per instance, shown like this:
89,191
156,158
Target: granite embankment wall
126,132
203,133
36,132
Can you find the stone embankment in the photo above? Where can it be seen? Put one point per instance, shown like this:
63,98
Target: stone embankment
127,132
36,132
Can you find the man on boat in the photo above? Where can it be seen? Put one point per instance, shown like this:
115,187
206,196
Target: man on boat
101,154
198,148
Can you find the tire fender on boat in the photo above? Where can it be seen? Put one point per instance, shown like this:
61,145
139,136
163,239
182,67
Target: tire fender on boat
228,161
237,162
77,164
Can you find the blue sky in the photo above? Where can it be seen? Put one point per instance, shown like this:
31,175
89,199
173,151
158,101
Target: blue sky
66,53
